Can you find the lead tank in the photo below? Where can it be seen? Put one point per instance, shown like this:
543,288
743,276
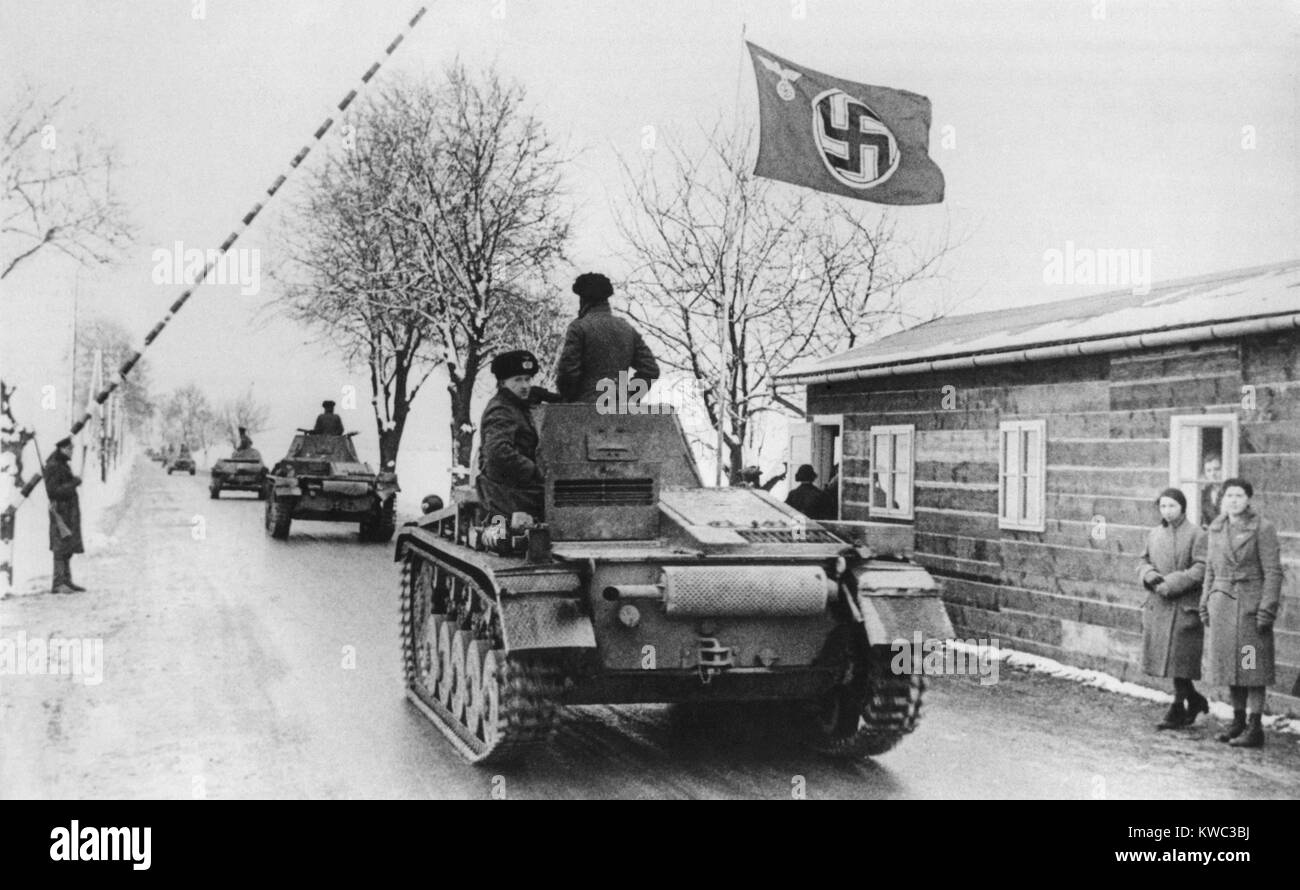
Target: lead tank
643,585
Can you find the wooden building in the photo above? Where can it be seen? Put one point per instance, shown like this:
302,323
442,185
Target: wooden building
1024,449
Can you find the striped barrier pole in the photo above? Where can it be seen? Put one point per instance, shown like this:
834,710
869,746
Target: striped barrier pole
244,223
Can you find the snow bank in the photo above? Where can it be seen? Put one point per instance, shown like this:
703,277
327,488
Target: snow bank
31,547
1040,664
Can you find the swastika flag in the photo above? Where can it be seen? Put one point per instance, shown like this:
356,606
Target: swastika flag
842,137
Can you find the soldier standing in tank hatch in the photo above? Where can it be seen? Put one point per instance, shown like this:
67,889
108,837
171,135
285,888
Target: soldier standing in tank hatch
509,480
245,442
65,516
328,423
598,345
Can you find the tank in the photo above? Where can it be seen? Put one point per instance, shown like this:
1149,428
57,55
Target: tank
321,478
242,471
643,585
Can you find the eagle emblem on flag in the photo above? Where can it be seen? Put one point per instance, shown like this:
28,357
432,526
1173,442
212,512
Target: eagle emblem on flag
785,78
847,138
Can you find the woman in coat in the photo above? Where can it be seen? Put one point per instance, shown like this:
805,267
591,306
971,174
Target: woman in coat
1172,569
1239,602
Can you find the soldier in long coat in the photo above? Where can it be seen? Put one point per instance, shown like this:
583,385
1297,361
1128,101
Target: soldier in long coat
65,516
1240,599
598,345
509,480
1172,569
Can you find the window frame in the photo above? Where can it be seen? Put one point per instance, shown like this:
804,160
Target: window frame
892,431
1006,521
1231,426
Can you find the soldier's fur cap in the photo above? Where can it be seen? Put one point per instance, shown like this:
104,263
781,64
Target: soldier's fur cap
514,363
593,287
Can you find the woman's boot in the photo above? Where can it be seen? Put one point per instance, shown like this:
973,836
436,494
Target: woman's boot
1196,704
1237,728
1175,717
1253,737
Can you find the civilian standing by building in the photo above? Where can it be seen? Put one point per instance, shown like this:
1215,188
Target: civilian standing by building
1172,570
1239,602
65,516
805,497
598,345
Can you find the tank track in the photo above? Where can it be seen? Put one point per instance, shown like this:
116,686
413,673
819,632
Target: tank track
888,707
529,684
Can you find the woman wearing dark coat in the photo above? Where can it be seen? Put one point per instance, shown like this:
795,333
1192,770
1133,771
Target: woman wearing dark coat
1172,569
1239,602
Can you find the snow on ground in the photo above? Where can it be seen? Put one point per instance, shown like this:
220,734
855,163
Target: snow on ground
1039,664
31,547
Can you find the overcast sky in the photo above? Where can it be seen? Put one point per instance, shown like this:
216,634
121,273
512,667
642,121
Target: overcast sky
1169,127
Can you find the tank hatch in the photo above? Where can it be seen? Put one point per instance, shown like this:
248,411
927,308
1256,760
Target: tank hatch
739,516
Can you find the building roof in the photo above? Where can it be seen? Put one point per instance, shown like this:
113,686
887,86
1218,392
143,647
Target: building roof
1189,305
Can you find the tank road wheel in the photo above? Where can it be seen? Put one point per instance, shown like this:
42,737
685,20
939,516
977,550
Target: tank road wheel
489,695
445,673
869,711
459,688
493,705
474,686
382,523
279,515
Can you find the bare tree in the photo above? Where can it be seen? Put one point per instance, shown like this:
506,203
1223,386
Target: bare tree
487,224
187,416
735,278
352,274
113,344
423,240
245,411
58,187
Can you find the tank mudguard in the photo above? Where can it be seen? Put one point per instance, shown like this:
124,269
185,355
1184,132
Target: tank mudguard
545,623
899,601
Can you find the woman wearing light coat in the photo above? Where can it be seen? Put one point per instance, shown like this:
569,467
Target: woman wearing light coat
1240,598
1172,570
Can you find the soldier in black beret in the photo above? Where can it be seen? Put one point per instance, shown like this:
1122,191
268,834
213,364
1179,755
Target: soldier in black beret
509,480
65,516
328,423
598,345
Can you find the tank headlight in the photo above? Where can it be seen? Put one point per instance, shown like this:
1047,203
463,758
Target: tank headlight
840,565
629,615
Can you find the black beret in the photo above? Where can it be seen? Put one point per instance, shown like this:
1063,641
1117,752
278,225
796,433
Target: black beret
593,286
64,442
805,473
514,363
328,403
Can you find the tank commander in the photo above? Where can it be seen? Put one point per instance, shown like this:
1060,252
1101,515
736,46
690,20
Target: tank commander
245,449
245,442
328,423
598,345
508,478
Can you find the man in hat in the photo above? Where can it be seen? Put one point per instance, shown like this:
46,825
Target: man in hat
328,423
65,516
245,442
598,345
805,497
508,479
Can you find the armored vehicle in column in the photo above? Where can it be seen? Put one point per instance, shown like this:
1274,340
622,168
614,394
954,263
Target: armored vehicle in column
642,585
321,478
